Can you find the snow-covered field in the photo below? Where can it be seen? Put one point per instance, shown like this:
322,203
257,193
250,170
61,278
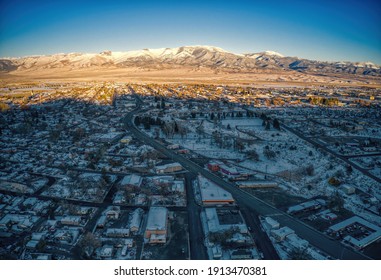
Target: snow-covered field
298,167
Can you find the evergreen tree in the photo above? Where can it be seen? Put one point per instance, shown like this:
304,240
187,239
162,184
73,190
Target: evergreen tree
267,126
137,121
276,124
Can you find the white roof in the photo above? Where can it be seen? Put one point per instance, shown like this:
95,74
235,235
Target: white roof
158,237
212,219
118,230
282,232
273,223
132,179
165,166
71,219
353,220
211,192
157,218
178,185
359,242
136,218
296,241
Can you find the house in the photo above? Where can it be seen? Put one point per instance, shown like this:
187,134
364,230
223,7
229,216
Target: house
51,225
168,168
348,189
102,221
328,215
112,212
44,257
216,252
106,251
108,137
241,254
178,186
124,250
132,180
214,166
173,147
157,223
281,234
119,197
141,199
126,140
117,232
38,236
71,220
166,179
271,223
64,236
83,210
135,220
129,242
296,242
228,171
32,244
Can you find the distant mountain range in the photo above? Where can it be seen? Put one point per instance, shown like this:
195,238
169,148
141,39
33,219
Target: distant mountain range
191,56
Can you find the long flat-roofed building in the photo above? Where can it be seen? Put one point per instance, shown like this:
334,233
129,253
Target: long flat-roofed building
157,223
212,194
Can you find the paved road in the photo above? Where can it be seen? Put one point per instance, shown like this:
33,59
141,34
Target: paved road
197,248
363,155
316,238
261,239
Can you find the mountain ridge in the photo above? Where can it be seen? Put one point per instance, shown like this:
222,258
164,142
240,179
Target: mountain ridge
211,57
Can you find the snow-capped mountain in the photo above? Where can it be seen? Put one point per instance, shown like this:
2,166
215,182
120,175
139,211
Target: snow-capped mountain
188,56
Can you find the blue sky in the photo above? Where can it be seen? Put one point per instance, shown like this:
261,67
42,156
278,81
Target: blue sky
324,30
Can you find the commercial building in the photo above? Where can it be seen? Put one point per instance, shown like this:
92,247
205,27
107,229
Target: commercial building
214,166
168,168
211,194
228,171
221,222
357,232
306,206
157,223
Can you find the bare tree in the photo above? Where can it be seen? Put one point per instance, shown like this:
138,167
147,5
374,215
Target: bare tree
89,243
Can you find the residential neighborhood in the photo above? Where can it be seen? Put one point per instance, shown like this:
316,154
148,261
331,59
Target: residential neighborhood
93,170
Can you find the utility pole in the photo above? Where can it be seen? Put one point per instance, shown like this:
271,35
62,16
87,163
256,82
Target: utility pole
266,172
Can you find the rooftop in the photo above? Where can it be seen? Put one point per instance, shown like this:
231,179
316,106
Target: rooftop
132,179
157,218
210,192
